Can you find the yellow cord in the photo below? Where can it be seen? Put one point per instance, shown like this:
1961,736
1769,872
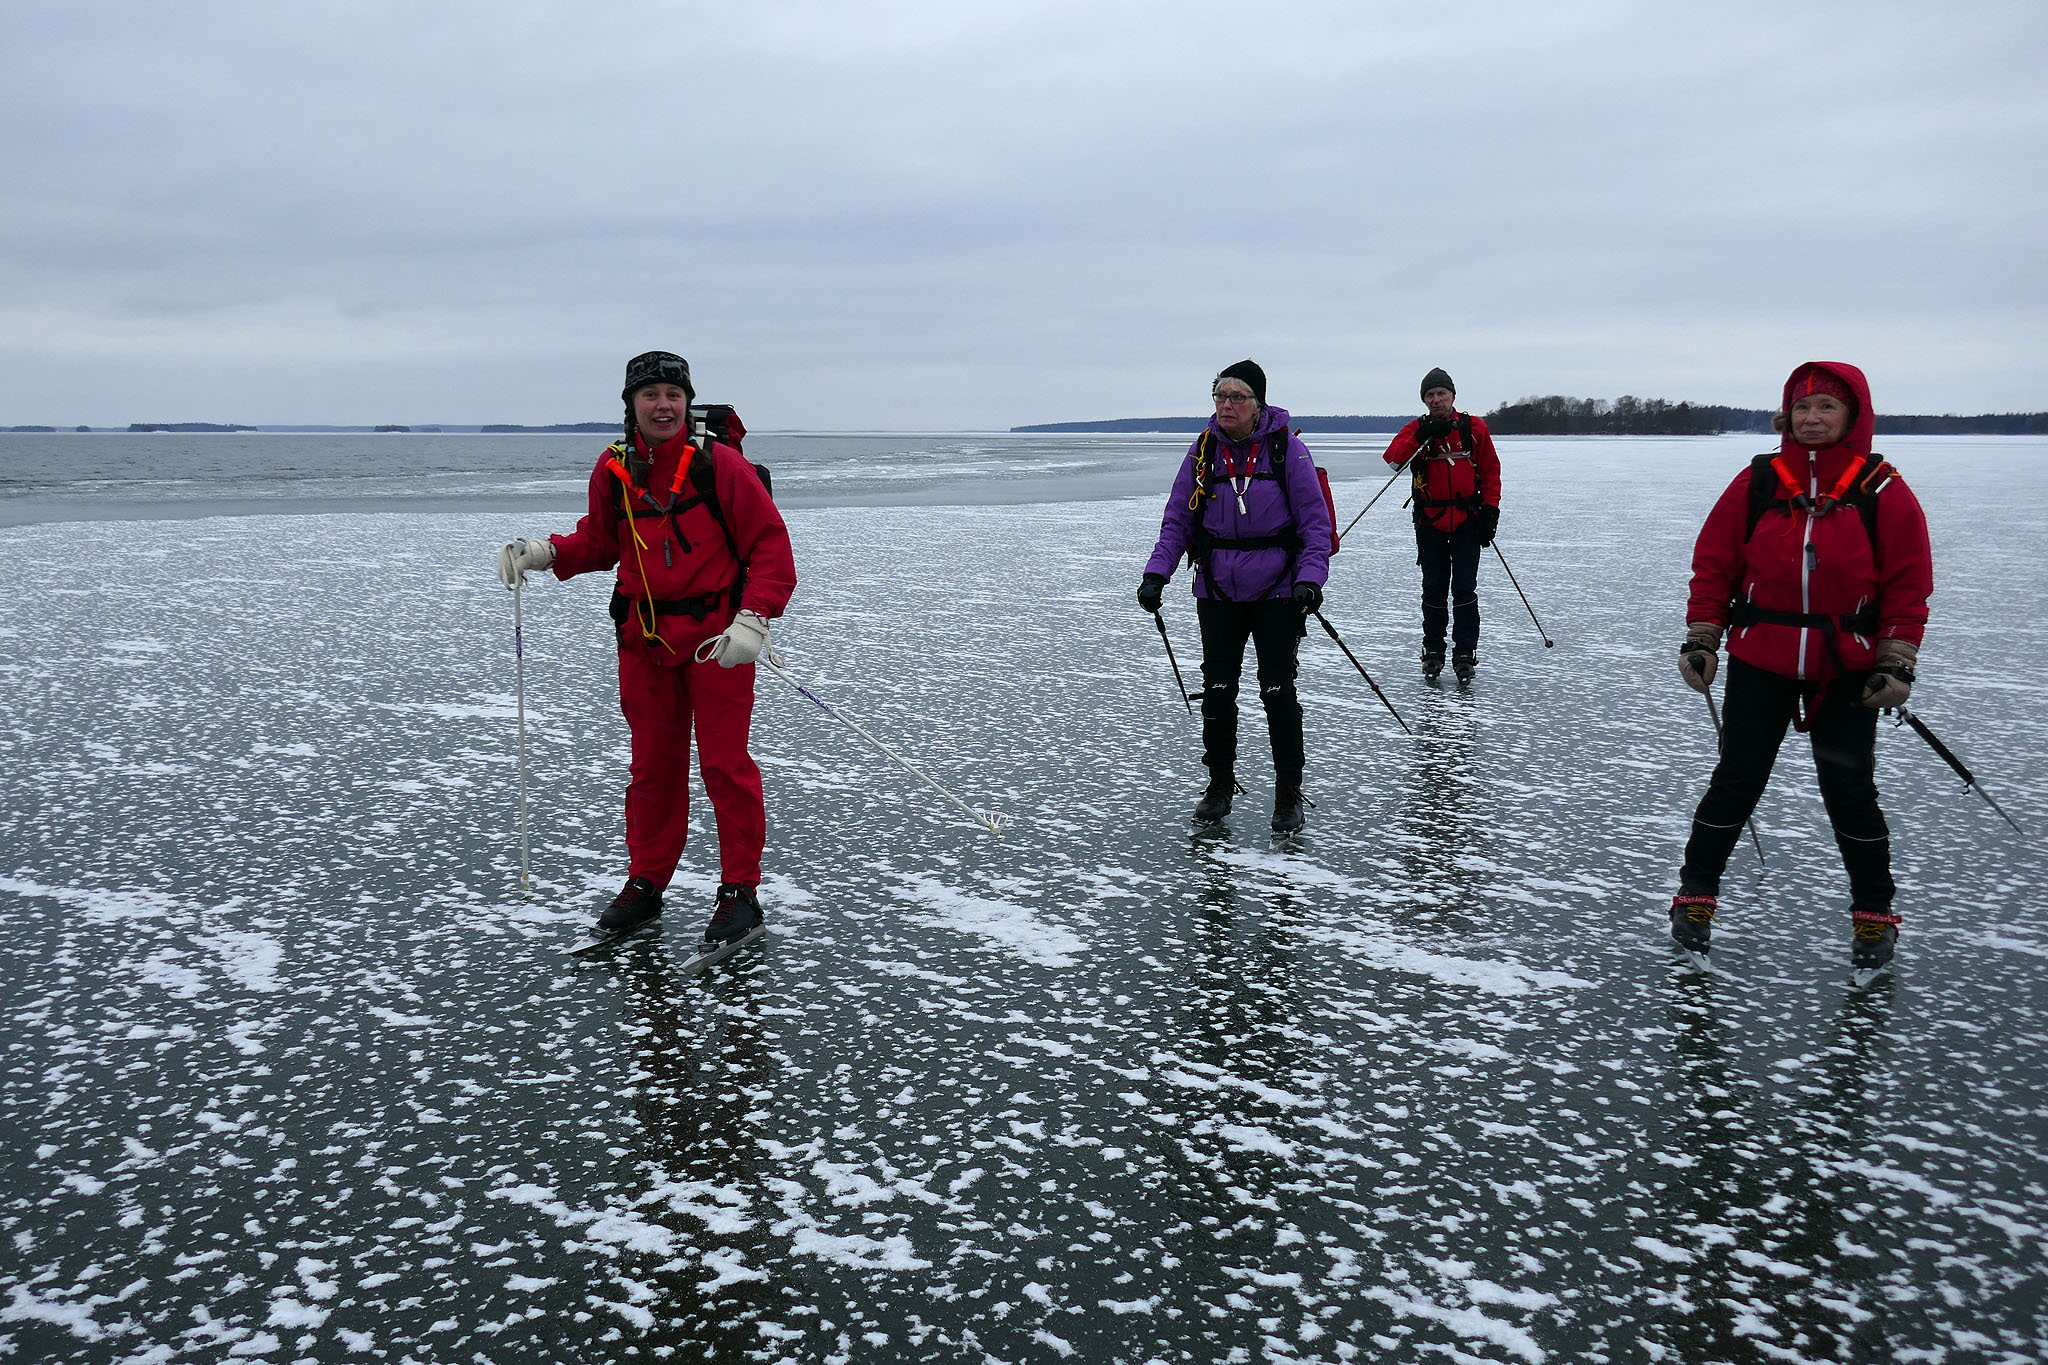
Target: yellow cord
643,611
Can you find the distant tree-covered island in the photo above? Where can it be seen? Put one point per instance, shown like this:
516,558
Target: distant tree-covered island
1556,415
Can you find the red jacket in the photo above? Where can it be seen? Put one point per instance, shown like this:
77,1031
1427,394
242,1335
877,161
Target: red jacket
1447,473
1816,563
684,555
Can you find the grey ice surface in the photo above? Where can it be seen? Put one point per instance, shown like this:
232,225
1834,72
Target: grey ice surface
295,1073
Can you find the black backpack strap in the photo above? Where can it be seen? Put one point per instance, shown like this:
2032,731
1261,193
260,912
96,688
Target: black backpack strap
704,478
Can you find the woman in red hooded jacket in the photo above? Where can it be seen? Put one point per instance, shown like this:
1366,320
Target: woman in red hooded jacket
698,583
1816,563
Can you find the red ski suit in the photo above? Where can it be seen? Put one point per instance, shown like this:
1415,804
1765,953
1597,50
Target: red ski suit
1448,473
680,558
1813,562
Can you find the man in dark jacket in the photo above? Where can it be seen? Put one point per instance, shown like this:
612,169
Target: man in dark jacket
1455,476
1248,510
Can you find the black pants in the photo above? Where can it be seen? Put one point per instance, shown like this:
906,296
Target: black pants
1450,563
1759,706
1274,628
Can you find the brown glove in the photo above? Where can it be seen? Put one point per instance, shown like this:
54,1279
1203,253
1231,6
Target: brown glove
1697,659
1891,677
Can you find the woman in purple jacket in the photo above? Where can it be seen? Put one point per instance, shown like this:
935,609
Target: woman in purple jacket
1248,511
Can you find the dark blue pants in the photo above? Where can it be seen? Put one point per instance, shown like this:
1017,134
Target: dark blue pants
1450,564
1274,628
1757,708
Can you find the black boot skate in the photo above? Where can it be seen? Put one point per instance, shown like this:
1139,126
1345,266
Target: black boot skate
1287,812
636,903
636,906
1464,664
1432,664
1215,802
1692,926
1876,937
737,914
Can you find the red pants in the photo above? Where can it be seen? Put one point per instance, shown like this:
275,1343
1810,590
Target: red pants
660,702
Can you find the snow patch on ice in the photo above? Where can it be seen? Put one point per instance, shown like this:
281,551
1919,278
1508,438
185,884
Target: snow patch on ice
1004,924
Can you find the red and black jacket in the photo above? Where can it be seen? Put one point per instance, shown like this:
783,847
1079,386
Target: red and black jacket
1812,556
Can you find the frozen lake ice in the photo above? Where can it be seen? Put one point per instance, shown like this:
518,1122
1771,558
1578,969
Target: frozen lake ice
296,1073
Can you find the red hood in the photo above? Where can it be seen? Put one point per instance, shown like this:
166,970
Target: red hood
1857,442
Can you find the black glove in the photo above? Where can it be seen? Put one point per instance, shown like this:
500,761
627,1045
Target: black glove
1434,428
1308,598
1150,589
1489,522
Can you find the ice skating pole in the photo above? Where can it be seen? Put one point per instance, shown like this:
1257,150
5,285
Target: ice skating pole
1376,497
1714,712
519,672
1159,620
1920,729
1548,643
990,822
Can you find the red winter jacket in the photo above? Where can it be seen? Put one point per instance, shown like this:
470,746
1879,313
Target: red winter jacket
682,556
1449,473
1816,563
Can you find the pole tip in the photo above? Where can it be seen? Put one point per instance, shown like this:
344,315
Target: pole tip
1549,644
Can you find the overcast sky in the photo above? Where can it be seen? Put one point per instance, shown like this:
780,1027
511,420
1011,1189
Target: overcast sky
981,214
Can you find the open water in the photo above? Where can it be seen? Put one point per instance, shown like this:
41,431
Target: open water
295,1072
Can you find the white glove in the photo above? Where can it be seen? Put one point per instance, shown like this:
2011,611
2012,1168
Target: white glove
742,642
515,557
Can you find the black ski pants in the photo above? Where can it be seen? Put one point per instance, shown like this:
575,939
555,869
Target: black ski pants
1450,564
1274,628
1759,705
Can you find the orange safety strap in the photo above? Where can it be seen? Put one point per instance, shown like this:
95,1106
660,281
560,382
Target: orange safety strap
643,612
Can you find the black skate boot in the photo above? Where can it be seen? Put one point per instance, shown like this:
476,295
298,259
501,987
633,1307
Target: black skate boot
1464,665
1432,664
636,903
738,913
1215,802
1876,939
1287,813
1692,925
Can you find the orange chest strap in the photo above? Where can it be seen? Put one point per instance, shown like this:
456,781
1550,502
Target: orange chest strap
1795,491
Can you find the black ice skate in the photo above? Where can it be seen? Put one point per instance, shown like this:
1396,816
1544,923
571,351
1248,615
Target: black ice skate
1464,664
1876,937
1287,812
1692,927
636,906
1432,664
736,921
1215,802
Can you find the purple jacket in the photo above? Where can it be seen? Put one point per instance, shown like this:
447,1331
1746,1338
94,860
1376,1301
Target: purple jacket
1249,575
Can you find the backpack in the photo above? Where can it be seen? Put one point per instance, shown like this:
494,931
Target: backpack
1418,480
1276,462
1765,489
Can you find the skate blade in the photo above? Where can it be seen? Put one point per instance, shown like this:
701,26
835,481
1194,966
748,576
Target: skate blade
708,956
1864,976
591,942
1700,962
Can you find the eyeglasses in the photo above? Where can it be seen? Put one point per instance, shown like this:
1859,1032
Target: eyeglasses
1224,399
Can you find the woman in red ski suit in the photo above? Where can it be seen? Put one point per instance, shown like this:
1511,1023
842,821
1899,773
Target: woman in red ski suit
691,620
1817,564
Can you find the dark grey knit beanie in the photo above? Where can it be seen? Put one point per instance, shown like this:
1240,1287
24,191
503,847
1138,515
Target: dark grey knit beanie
1437,379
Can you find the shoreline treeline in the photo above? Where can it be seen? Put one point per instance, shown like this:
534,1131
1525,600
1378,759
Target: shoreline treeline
1557,415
